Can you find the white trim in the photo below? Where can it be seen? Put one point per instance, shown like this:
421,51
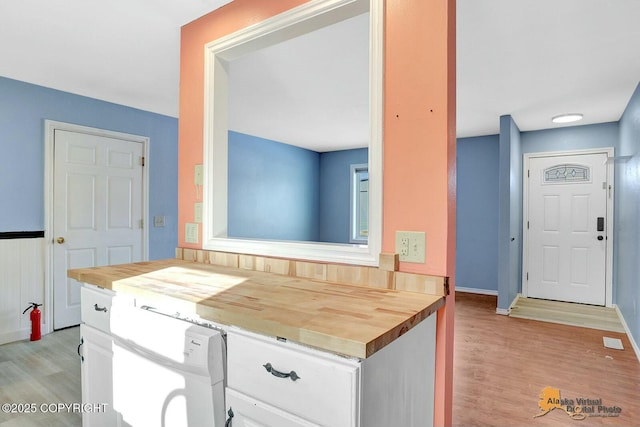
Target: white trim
18,335
507,311
300,20
609,151
354,201
633,342
50,127
477,291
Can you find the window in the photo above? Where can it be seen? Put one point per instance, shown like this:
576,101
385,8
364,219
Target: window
359,229
566,173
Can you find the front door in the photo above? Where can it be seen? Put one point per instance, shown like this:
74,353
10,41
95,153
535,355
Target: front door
567,235
97,211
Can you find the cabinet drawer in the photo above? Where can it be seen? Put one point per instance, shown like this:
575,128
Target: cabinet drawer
248,412
325,392
96,307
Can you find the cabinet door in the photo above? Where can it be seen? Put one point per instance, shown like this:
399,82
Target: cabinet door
97,382
249,412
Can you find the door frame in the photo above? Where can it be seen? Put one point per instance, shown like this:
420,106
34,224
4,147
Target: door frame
609,151
50,126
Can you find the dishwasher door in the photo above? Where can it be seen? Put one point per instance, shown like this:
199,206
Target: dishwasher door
166,372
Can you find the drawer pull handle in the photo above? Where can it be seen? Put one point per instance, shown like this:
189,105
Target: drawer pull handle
98,308
80,345
279,374
230,419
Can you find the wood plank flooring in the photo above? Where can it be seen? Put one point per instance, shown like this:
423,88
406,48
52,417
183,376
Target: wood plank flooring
567,313
502,364
41,372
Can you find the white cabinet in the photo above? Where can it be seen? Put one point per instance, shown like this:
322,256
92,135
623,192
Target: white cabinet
97,382
271,383
97,356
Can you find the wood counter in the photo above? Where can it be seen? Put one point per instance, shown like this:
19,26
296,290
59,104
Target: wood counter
345,319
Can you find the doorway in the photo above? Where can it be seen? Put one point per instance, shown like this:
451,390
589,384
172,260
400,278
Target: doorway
567,226
95,205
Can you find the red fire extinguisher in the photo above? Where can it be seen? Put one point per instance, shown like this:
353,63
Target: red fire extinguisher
35,316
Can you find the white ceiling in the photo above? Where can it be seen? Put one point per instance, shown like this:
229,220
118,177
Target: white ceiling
532,59
122,51
535,59
311,91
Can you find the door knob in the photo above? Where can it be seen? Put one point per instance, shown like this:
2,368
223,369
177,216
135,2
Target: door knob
600,238
60,240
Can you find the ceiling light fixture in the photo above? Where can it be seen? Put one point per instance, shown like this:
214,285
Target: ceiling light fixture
567,118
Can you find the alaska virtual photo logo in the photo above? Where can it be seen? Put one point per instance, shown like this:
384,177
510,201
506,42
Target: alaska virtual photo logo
578,408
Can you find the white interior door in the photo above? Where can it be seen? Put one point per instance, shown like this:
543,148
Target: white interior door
97,211
567,235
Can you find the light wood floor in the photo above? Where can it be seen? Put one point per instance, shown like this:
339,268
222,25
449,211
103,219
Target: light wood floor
45,371
501,365
567,313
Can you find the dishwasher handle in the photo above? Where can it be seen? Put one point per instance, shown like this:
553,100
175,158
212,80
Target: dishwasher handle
122,344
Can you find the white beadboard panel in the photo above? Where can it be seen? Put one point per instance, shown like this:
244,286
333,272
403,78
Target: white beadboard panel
21,282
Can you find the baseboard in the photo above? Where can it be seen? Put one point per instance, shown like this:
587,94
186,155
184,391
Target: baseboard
19,335
633,342
507,311
477,291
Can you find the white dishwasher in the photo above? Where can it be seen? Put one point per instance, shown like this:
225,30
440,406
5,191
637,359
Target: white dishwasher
167,371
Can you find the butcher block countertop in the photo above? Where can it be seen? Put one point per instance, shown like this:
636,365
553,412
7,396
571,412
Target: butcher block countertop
344,319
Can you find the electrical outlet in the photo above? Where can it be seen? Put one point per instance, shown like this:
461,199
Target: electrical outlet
158,221
197,213
411,246
191,233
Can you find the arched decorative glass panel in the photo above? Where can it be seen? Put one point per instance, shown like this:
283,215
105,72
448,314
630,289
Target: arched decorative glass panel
567,173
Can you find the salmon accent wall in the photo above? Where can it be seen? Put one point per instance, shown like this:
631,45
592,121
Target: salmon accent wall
226,20
419,154
419,137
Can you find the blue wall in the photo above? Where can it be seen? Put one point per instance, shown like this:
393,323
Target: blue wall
571,138
23,109
509,213
515,227
477,213
627,217
513,144
273,189
281,192
335,193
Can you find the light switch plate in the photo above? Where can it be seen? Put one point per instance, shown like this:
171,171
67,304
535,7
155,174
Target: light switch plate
158,221
198,175
191,233
411,246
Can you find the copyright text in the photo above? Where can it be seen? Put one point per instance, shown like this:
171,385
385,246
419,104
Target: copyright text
52,408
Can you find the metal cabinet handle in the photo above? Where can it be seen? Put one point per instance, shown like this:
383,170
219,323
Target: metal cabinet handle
98,308
228,423
279,374
80,345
